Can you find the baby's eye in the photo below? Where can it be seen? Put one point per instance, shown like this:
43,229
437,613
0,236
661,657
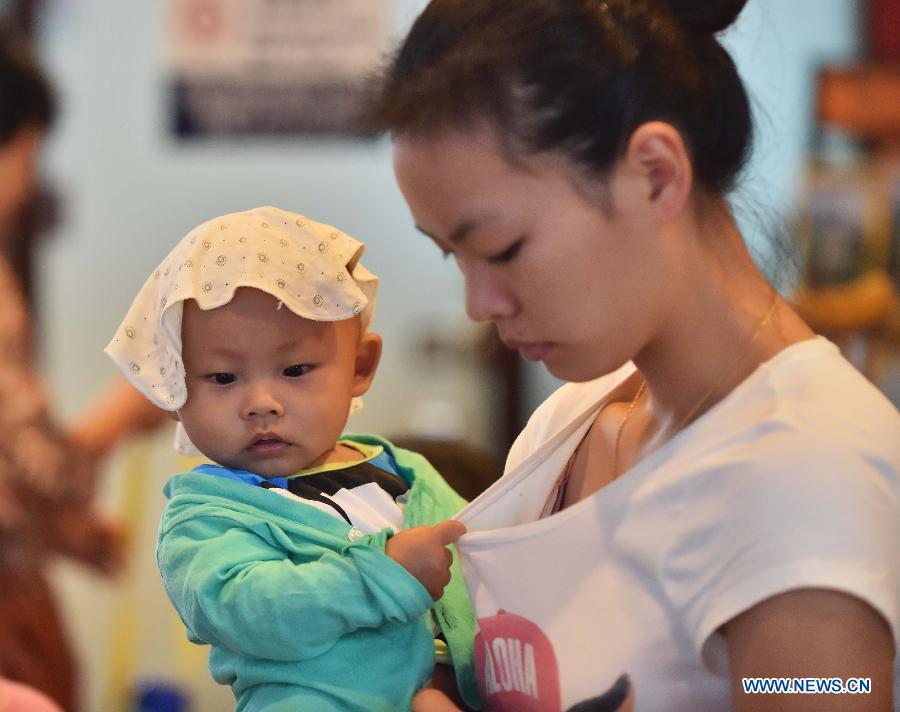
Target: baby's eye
297,370
222,379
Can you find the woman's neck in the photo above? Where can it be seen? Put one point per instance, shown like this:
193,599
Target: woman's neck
724,321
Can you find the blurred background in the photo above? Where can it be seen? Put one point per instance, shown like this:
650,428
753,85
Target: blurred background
172,112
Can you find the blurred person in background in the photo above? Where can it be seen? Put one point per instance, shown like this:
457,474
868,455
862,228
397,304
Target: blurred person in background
46,473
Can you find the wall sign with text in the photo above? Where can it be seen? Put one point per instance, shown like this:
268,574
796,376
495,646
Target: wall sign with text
272,67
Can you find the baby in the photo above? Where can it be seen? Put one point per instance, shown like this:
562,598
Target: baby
307,560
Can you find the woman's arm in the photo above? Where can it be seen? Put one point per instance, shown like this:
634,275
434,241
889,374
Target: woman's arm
811,633
120,411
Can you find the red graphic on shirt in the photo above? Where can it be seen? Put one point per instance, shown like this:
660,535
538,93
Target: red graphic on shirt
516,665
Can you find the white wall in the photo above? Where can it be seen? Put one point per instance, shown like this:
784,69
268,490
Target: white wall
778,46
131,191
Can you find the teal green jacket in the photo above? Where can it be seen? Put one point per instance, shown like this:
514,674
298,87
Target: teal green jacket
301,616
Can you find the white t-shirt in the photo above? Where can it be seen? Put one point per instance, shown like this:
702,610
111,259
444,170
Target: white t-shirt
792,480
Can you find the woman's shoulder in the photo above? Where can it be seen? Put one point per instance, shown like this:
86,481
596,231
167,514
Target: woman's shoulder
808,442
566,404
571,399
819,398
807,401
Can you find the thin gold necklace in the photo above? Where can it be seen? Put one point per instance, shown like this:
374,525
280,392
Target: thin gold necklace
693,411
637,397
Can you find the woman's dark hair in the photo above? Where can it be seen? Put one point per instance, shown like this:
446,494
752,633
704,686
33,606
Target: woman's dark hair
26,98
573,76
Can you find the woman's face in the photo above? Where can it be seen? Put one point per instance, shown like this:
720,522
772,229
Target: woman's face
568,279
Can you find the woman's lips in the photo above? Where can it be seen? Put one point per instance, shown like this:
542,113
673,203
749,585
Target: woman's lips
531,350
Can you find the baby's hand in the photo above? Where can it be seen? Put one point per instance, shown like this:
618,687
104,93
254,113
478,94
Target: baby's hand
423,552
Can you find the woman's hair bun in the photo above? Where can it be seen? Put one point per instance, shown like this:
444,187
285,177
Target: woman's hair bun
706,17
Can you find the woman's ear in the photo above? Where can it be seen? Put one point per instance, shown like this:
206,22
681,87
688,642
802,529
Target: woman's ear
368,354
658,157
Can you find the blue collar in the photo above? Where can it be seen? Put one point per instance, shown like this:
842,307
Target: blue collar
241,475
384,460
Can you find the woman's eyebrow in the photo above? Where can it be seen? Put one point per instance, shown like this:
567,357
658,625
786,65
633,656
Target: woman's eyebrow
458,235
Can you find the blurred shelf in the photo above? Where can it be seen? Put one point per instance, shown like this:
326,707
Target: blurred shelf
862,100
866,303
862,317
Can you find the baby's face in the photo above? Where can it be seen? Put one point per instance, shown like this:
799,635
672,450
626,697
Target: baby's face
268,391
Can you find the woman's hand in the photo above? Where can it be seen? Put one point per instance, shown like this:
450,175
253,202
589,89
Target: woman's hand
430,700
119,412
88,537
423,552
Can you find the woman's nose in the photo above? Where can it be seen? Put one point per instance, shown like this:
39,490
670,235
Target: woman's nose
486,299
263,402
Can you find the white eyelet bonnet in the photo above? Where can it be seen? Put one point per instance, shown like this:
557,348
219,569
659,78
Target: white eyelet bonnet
312,268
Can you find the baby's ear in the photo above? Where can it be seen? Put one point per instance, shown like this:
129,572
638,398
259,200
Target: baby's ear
368,354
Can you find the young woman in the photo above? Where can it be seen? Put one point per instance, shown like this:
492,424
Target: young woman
574,158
